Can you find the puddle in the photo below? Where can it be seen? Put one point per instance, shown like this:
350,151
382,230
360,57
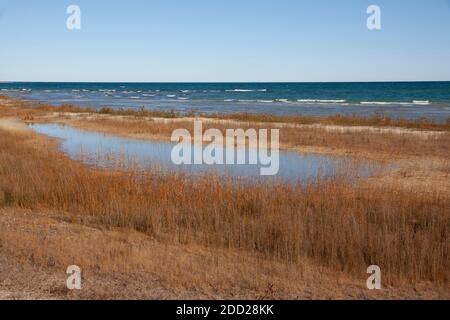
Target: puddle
107,151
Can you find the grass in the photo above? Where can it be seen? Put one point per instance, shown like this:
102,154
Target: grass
375,119
338,225
395,143
358,135
234,236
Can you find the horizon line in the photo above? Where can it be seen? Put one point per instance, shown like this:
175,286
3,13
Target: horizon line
224,82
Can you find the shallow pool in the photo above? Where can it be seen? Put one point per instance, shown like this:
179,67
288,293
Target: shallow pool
107,151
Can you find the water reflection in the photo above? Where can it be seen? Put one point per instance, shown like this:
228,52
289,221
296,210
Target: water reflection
109,151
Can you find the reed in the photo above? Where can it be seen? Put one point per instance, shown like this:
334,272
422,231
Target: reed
393,143
378,119
338,225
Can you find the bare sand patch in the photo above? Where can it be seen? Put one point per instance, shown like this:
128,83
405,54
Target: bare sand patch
14,125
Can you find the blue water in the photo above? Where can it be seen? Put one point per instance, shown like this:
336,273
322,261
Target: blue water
396,99
106,151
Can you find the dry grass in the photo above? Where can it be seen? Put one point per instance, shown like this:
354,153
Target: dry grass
359,136
401,144
374,119
240,240
124,264
393,144
333,224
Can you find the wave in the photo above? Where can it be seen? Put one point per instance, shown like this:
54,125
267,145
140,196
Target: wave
422,103
403,103
321,101
289,101
247,90
382,103
249,100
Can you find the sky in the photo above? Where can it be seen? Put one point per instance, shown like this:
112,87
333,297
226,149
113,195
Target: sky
225,41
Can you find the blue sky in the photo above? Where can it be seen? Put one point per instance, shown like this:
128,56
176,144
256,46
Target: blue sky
224,40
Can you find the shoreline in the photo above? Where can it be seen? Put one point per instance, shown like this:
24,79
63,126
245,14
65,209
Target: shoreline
136,237
431,172
414,169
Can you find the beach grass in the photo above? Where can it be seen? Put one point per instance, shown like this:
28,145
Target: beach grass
377,119
341,226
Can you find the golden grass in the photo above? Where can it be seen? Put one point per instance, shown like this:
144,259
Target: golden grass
124,264
334,224
370,141
337,134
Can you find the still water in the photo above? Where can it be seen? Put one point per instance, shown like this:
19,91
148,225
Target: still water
107,151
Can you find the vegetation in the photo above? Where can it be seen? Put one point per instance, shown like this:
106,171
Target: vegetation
341,226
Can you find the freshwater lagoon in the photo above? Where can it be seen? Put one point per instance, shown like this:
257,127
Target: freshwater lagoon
112,152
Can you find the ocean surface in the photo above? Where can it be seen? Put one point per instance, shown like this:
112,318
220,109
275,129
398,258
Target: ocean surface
410,100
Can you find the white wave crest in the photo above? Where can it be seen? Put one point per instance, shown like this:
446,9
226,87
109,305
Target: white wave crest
422,103
378,102
387,103
246,90
321,101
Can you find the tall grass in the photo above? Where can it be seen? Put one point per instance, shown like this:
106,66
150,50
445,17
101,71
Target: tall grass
335,223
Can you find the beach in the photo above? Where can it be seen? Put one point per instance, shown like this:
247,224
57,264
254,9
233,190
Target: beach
407,100
139,233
